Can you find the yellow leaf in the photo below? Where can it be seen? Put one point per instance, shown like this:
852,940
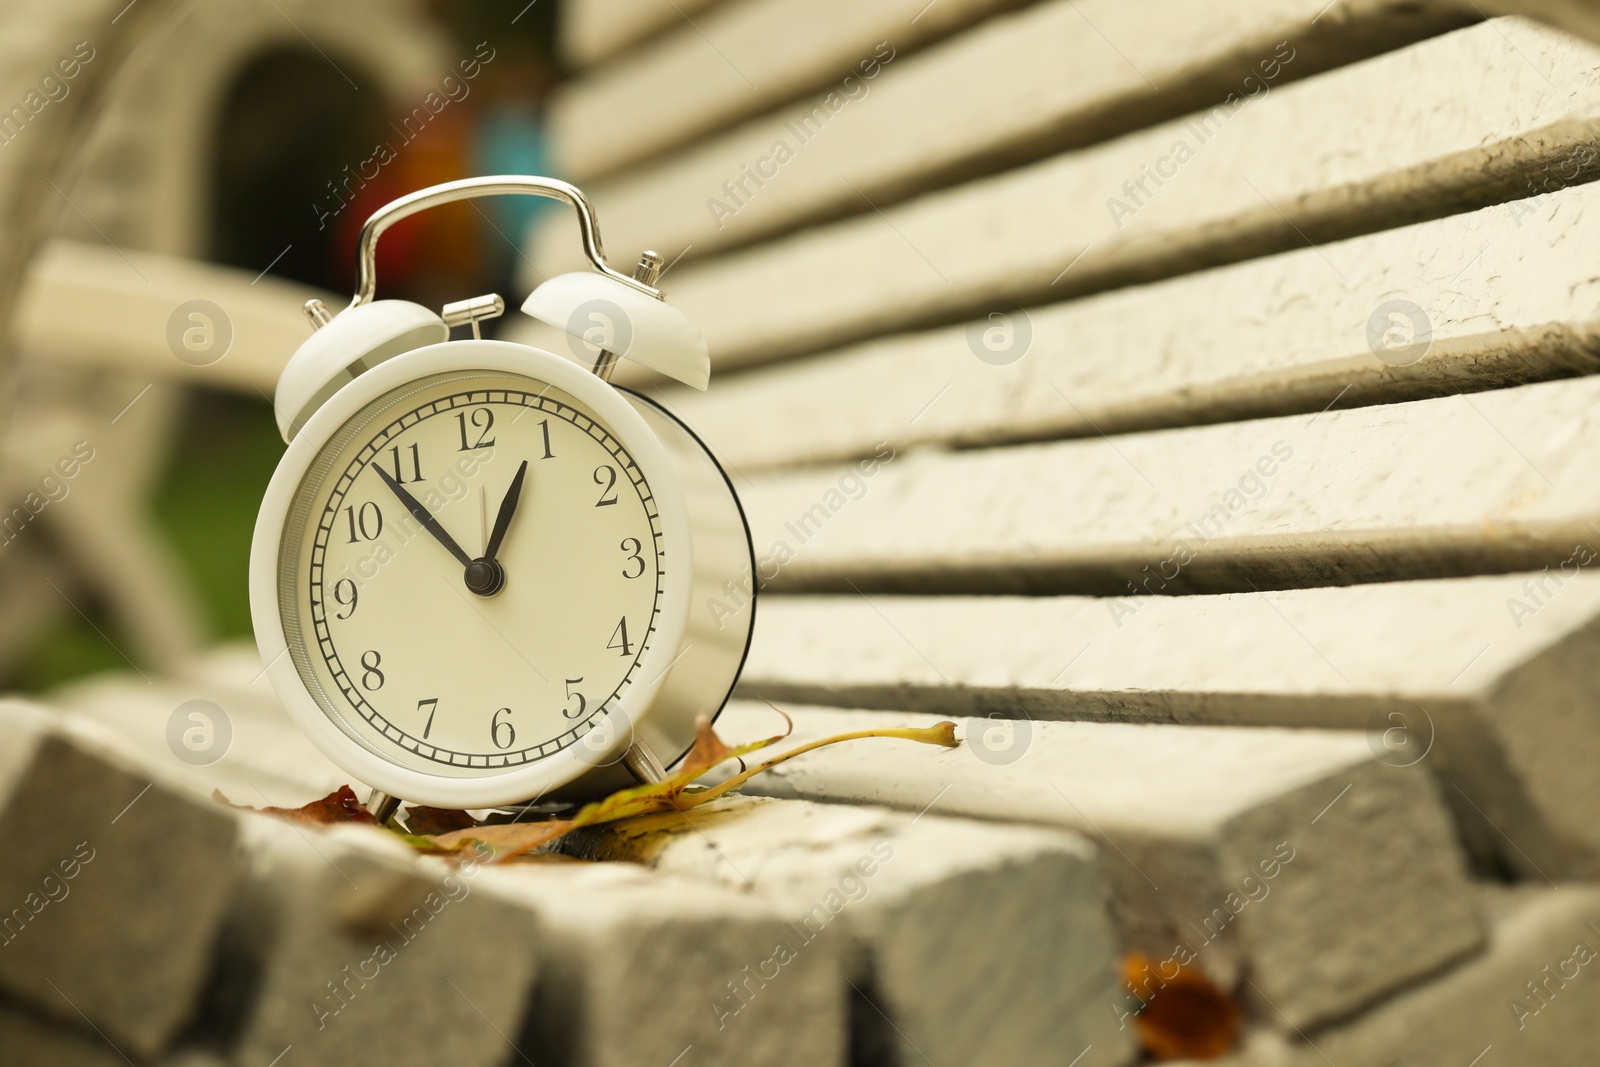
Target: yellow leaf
509,840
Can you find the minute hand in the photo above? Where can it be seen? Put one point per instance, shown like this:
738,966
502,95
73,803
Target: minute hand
422,515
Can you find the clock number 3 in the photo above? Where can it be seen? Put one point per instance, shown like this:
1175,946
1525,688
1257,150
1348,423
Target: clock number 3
635,551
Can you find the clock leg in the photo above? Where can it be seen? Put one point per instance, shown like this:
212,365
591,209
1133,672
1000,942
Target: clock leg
382,806
643,764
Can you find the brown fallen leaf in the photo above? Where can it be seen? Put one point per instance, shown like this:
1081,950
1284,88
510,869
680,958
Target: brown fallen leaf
426,821
341,805
508,840
1185,1016
437,830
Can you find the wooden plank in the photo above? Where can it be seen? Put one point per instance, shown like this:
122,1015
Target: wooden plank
46,39
1357,881
636,963
110,872
29,608
30,1042
895,894
1504,295
247,745
349,949
1491,677
737,61
1496,481
1574,16
136,296
1481,1010
592,30
944,114
1382,143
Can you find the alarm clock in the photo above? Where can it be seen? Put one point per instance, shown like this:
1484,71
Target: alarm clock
475,572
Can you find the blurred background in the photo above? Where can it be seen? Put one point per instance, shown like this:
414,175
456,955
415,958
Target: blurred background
291,123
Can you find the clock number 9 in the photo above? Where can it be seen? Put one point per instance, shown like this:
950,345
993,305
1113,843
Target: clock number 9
606,476
498,725
346,594
371,670
635,555
575,713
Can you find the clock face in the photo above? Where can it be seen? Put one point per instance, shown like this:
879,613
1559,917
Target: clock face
430,640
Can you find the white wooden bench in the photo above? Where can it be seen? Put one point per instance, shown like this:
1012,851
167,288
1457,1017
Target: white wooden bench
1282,443
119,167
1251,548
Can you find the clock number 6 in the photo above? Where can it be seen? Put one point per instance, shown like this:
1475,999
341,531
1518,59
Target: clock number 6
370,660
635,555
498,725
575,713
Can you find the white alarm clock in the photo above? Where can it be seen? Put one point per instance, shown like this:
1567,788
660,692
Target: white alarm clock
475,573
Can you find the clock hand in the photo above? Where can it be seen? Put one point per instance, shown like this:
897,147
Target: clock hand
508,507
422,515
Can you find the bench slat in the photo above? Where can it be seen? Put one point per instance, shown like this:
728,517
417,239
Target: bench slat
895,893
946,114
1504,293
592,30
1498,668
1360,901
135,294
1379,144
1459,1016
1574,16
746,58
1496,481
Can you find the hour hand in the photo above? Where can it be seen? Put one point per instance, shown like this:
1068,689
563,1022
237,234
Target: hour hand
508,508
424,516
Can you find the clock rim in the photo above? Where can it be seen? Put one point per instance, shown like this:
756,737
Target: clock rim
631,709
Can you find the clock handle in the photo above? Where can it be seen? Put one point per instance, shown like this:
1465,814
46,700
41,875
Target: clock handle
471,188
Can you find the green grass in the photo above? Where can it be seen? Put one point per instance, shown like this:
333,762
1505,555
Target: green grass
207,503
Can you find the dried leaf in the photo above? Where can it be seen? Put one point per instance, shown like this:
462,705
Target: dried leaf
508,840
1185,1016
341,805
440,831
423,820
941,733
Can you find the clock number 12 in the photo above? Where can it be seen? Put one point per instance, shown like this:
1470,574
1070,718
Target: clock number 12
482,420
